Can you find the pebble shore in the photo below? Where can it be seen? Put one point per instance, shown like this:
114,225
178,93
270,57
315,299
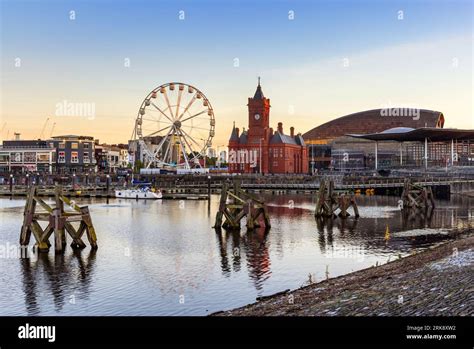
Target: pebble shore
435,282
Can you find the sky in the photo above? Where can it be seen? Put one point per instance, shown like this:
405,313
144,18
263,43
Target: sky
317,60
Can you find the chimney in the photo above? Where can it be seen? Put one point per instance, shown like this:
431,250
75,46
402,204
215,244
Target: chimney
292,131
17,136
238,131
280,127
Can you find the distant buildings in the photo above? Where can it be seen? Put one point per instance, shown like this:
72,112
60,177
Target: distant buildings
260,149
62,155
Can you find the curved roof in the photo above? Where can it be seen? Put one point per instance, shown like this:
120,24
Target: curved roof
376,120
433,134
397,130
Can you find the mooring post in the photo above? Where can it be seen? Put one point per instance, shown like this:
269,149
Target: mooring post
250,217
59,234
27,217
222,202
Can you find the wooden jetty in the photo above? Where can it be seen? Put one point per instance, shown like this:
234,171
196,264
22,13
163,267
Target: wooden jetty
59,222
236,204
416,196
328,202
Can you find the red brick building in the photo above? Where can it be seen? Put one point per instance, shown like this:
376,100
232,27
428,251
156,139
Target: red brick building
260,148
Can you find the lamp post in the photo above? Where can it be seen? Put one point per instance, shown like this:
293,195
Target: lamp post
11,183
27,180
209,187
73,180
107,184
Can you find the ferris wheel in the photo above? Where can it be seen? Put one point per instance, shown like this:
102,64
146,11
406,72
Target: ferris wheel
174,126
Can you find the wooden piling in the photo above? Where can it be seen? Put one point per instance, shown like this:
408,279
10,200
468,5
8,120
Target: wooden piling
59,222
416,197
236,204
328,202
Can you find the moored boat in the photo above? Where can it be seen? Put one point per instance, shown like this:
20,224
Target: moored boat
138,193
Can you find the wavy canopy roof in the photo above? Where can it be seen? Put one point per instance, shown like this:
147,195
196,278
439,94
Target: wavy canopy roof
431,133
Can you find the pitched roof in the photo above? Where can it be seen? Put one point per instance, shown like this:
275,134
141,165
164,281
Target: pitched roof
299,140
376,120
243,138
234,137
282,138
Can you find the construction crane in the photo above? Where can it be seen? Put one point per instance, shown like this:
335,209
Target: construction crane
44,127
52,130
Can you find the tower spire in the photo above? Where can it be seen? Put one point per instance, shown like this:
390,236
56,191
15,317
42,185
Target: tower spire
258,92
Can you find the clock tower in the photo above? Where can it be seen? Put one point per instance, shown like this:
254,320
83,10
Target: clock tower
259,115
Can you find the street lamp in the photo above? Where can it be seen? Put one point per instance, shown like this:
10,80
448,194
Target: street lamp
27,180
107,184
208,187
11,183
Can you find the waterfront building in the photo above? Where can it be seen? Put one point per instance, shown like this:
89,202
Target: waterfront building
260,149
331,147
74,154
109,157
24,156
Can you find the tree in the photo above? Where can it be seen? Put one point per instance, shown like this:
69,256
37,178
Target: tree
138,165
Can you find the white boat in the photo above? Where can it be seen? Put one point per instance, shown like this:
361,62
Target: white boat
138,193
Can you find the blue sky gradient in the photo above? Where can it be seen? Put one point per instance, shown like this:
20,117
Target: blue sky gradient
299,60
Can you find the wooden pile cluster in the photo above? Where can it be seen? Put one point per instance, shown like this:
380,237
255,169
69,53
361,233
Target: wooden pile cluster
416,197
236,204
328,202
59,221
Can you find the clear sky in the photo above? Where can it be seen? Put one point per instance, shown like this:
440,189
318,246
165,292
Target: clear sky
333,58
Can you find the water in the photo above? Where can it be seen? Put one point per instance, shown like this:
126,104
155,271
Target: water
163,258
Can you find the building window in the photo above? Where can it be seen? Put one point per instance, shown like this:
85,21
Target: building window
74,145
85,158
42,157
85,145
61,157
74,157
62,145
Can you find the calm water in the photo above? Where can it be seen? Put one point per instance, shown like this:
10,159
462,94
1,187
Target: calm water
163,258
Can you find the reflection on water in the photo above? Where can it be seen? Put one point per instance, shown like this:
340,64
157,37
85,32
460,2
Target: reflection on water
254,245
163,258
61,277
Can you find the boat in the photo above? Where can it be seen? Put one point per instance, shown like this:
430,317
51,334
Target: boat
140,192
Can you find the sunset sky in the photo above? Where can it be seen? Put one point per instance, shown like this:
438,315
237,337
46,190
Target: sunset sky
333,58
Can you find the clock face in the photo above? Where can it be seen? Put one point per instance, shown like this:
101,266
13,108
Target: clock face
257,116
